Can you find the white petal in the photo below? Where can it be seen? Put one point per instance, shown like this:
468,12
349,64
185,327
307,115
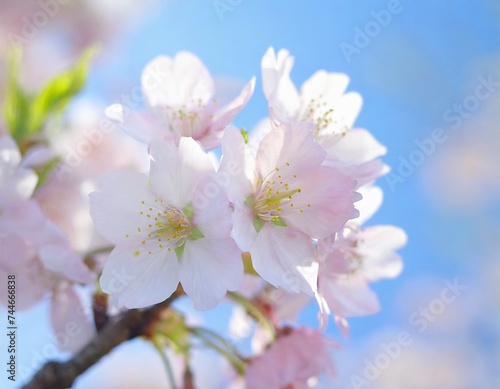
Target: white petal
329,85
279,89
208,269
356,147
212,211
136,279
61,259
142,126
350,296
243,229
235,166
383,238
177,171
224,116
115,207
9,152
293,144
178,81
369,204
284,258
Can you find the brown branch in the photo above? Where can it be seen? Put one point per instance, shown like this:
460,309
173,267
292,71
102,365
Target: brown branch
134,323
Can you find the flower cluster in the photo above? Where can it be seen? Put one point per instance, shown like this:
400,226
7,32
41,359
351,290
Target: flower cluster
273,221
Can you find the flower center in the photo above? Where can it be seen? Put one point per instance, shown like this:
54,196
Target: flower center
165,227
172,225
275,192
327,121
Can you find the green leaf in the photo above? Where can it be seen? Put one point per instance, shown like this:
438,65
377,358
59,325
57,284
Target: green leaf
44,171
57,93
17,103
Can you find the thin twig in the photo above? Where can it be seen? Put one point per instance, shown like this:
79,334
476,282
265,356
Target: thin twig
134,323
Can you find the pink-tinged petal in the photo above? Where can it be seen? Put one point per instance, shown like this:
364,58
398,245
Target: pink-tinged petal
177,171
283,145
71,327
324,103
273,67
324,205
291,361
324,311
279,89
243,232
224,116
208,269
26,219
143,126
343,325
16,182
389,265
236,168
358,146
38,156
62,259
383,238
19,259
329,85
212,211
173,82
258,132
9,152
137,279
288,306
19,185
364,174
348,295
284,258
377,245
116,207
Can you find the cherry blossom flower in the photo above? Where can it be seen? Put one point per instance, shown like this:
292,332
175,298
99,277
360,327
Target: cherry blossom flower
282,200
297,356
179,92
167,230
354,258
323,101
39,255
16,181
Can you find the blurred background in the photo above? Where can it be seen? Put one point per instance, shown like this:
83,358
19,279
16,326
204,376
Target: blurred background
429,74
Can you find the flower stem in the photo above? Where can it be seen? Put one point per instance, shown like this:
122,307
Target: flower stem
166,362
254,311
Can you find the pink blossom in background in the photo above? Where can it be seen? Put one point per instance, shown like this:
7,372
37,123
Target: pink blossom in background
179,93
295,357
